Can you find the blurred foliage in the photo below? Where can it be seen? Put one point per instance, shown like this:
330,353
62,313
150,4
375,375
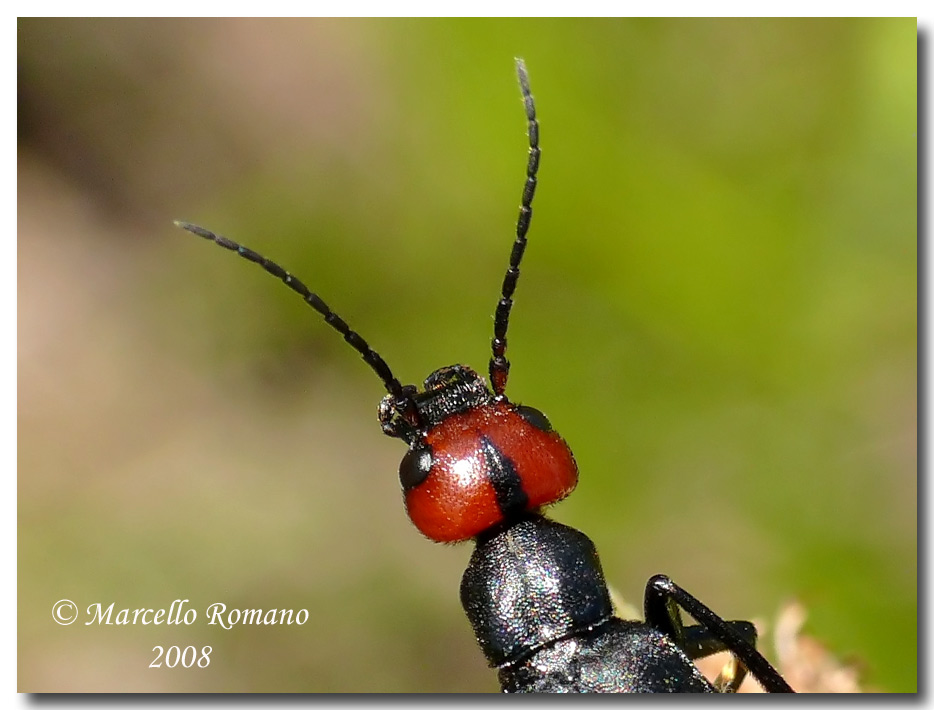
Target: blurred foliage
717,310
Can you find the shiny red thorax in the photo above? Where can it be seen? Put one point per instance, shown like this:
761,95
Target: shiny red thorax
457,501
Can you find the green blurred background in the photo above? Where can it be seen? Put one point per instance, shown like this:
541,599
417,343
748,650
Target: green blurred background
717,311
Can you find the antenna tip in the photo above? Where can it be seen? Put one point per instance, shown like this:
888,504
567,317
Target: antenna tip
523,75
194,229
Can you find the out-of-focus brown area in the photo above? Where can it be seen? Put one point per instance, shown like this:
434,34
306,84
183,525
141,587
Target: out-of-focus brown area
717,310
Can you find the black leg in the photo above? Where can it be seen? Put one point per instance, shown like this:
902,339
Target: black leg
663,601
699,642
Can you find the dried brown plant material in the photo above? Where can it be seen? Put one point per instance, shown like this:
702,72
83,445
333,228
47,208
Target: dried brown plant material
804,662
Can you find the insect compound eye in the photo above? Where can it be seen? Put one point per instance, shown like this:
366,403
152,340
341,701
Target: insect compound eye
534,417
415,466
392,415
386,411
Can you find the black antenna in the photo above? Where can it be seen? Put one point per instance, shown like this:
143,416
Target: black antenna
499,365
370,356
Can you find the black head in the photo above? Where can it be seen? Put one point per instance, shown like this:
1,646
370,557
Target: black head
450,390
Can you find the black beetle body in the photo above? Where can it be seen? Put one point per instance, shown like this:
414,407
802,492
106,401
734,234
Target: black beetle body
535,595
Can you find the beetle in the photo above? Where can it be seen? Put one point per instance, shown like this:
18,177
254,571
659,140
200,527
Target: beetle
481,467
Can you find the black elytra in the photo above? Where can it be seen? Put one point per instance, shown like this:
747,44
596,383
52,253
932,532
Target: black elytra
482,467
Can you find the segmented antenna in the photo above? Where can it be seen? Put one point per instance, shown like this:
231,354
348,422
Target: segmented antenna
499,365
370,356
